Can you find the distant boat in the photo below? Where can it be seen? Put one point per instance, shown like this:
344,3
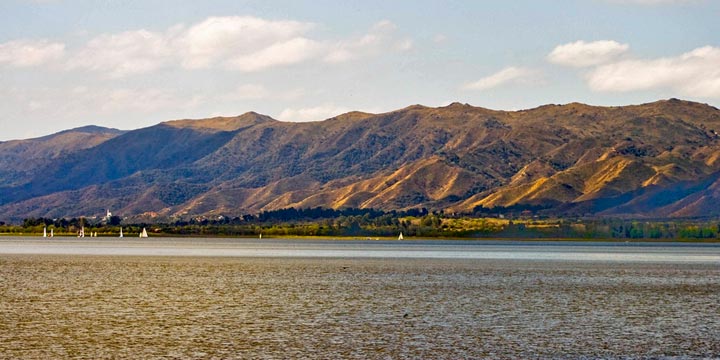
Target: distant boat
400,237
143,234
45,231
121,235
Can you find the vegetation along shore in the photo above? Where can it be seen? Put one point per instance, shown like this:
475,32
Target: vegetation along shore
369,223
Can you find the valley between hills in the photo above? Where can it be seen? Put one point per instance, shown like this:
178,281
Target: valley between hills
659,160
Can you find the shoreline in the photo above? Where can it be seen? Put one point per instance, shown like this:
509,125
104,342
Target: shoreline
370,238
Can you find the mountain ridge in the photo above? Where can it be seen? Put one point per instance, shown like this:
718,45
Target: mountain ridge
454,158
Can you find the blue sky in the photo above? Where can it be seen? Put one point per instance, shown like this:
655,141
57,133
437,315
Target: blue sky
130,64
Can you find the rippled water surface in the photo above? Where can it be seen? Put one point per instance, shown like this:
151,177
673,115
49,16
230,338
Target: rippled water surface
121,305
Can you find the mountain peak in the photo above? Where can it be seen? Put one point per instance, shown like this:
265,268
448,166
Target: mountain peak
680,102
352,115
221,123
458,105
94,129
415,107
89,129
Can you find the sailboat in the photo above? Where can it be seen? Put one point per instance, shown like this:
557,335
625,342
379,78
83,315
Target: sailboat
400,237
45,231
121,235
143,234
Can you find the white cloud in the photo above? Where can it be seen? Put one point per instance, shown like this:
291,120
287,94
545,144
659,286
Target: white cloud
218,38
241,43
405,45
112,100
247,92
259,92
235,42
439,38
583,54
695,73
379,39
283,53
316,113
26,53
126,53
507,75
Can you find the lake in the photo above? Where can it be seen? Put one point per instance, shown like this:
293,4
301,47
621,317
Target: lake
435,249
275,298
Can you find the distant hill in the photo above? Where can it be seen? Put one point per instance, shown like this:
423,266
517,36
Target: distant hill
21,160
660,159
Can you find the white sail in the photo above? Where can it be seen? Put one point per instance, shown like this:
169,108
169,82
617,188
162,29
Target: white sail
45,232
143,234
400,237
121,235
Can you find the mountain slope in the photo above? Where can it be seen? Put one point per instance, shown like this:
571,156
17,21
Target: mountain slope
572,159
20,160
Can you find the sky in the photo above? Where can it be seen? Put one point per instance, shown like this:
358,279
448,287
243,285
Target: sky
135,63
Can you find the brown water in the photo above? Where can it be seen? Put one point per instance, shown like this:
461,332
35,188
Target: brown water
71,306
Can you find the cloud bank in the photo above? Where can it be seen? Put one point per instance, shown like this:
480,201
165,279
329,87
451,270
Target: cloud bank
234,43
583,54
507,75
695,73
26,53
610,68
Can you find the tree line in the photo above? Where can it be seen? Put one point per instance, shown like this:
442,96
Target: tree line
378,223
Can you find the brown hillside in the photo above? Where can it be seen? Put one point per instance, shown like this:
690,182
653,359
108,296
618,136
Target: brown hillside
571,159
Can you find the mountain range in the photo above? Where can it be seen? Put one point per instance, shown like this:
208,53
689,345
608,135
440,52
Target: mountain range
654,160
